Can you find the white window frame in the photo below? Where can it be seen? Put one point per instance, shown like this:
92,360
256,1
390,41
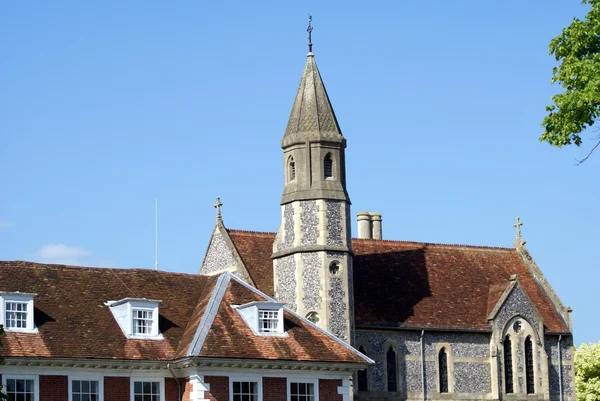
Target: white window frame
99,379
276,320
35,378
256,379
7,297
160,380
153,327
314,382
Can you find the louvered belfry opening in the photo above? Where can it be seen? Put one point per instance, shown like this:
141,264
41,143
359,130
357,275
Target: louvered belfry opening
529,375
508,370
363,379
443,368
328,166
392,381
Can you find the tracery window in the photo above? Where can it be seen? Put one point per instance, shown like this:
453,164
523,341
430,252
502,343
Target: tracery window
328,166
363,375
508,370
392,381
529,374
443,368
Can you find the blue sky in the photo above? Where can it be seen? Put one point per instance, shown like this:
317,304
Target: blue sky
105,106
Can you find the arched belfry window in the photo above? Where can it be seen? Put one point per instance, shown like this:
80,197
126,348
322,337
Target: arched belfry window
443,368
328,166
508,369
529,375
392,381
291,169
363,375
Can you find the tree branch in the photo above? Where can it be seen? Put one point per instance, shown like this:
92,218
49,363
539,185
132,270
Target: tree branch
589,154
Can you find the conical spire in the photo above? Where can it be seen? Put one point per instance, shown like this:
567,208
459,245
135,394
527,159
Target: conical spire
312,115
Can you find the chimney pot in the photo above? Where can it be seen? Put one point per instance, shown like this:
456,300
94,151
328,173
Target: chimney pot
376,226
364,225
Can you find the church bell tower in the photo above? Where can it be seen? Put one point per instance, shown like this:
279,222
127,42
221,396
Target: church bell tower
312,251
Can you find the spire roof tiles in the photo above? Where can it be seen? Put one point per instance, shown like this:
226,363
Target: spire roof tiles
312,115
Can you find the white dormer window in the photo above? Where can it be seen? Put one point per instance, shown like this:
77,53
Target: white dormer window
16,312
268,321
142,321
137,317
264,318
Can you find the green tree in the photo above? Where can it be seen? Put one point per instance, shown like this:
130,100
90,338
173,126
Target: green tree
577,50
587,372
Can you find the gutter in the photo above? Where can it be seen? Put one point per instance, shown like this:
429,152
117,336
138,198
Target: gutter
560,389
176,380
423,384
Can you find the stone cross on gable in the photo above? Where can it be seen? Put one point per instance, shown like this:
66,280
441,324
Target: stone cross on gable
518,225
218,205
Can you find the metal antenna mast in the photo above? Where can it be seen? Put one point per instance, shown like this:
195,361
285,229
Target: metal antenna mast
156,232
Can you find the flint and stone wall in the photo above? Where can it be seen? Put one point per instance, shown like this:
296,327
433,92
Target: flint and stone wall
313,235
568,369
472,373
468,363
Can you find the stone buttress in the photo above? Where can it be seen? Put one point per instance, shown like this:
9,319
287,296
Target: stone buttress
312,256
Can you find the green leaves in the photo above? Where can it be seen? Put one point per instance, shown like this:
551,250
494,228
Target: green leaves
577,49
587,372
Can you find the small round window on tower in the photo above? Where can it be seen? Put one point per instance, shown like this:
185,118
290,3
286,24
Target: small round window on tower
313,317
334,268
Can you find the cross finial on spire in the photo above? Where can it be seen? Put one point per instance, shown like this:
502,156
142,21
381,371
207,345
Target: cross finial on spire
218,205
309,30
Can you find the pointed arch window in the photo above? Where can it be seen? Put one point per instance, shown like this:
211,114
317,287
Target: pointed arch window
529,374
392,381
508,370
291,169
328,166
363,375
443,368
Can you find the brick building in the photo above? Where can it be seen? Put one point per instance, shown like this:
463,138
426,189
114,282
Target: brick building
84,334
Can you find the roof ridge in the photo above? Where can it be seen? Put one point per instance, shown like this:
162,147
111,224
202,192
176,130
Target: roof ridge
210,312
25,263
482,247
251,231
501,248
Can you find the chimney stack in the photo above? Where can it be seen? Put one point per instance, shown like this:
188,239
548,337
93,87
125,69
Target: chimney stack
364,225
376,226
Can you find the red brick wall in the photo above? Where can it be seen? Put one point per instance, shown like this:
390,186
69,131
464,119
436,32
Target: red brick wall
328,390
186,389
219,388
116,388
171,389
274,389
54,388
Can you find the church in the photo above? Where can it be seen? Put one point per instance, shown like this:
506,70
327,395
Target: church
440,321
307,313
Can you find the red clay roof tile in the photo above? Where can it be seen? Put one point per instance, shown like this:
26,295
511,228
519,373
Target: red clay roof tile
417,285
74,322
